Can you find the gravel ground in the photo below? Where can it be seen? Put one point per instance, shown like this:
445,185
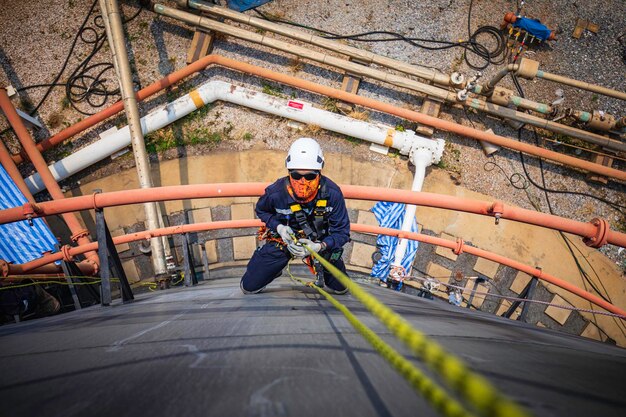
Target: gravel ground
34,44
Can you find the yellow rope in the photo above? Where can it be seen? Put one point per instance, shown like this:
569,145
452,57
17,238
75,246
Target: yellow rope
431,392
475,389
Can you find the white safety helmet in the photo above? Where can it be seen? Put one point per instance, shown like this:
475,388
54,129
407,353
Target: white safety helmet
305,153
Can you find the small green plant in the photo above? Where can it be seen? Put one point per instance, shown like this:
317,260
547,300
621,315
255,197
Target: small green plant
353,140
228,128
247,136
203,135
400,128
594,98
272,90
330,104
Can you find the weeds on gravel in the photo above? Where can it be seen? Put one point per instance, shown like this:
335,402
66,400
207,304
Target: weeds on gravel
203,136
330,104
295,65
359,115
271,90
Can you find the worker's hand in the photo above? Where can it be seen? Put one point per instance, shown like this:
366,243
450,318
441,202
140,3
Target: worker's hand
297,250
314,246
286,234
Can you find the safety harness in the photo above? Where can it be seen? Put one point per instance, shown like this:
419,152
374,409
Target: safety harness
315,225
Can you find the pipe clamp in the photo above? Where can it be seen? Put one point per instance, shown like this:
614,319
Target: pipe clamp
67,256
459,246
602,232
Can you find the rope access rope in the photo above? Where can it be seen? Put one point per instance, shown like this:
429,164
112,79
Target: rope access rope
430,390
475,389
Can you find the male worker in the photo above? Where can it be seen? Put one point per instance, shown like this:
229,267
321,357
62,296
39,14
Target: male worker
303,208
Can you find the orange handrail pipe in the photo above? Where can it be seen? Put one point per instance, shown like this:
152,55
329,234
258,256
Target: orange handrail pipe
344,96
596,233
458,247
79,234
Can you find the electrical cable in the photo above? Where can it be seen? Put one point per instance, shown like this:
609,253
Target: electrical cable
584,275
82,85
471,45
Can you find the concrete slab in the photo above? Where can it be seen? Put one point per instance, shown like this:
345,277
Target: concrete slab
362,255
201,215
446,252
505,305
243,247
211,250
479,299
366,217
438,272
130,269
593,332
520,282
121,247
486,267
559,314
242,211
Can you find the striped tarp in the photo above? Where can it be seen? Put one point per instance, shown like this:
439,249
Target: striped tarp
20,242
391,215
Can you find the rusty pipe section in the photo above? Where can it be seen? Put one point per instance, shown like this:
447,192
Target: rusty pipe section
365,102
79,235
354,68
361,55
457,247
596,233
581,84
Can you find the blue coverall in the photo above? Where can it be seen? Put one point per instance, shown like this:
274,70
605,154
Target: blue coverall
273,208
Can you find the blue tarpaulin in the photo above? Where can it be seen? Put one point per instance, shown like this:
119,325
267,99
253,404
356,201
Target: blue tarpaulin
534,27
20,242
243,5
391,215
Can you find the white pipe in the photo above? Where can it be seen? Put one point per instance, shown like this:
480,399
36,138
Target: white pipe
421,158
408,143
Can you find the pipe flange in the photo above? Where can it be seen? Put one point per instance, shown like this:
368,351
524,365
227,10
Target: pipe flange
67,256
458,249
602,232
4,268
80,234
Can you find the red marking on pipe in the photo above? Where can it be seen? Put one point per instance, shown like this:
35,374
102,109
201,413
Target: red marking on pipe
295,105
